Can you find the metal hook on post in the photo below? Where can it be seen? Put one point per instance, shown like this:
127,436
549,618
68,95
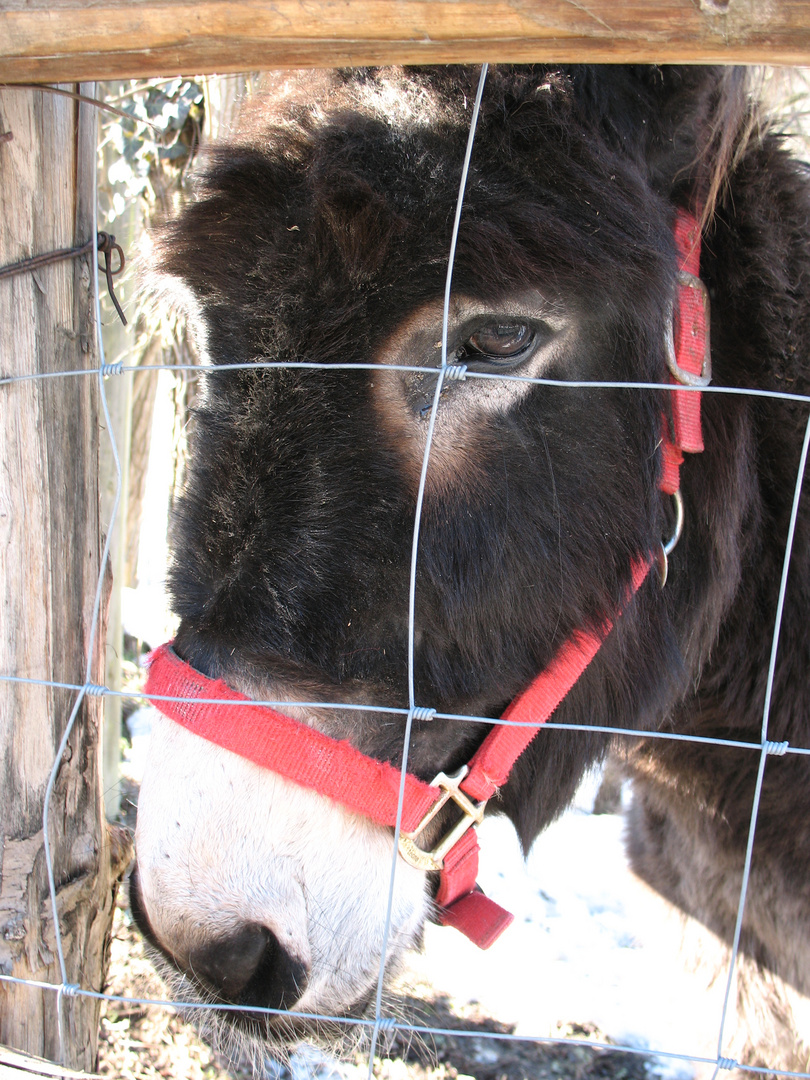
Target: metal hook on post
106,245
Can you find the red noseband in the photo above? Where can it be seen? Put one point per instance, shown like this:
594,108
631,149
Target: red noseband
333,768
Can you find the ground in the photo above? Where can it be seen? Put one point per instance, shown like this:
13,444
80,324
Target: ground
141,1042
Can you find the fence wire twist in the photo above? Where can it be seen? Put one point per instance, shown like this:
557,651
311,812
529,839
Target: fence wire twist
445,372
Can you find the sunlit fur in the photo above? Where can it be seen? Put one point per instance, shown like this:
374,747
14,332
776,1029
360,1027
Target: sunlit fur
321,234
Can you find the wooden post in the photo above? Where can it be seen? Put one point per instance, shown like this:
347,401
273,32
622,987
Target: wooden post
49,567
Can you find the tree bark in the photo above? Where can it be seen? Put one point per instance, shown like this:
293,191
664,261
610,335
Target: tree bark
50,553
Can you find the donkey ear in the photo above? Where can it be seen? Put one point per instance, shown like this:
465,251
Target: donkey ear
683,125
209,245
217,260
355,221
700,119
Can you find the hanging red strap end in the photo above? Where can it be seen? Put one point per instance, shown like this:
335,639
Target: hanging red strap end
478,918
461,903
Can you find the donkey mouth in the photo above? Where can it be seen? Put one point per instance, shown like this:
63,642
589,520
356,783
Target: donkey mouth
248,967
266,993
264,1007
251,968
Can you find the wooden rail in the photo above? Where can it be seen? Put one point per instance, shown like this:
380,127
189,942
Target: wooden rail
68,40
17,1066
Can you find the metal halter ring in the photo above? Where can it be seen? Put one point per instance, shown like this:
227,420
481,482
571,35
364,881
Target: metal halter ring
667,548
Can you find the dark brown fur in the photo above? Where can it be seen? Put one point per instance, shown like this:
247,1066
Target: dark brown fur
318,234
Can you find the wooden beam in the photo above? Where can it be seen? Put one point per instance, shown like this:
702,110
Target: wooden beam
17,1066
69,40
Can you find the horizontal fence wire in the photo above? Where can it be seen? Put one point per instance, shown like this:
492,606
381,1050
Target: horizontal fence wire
392,1024
779,749
379,1022
307,365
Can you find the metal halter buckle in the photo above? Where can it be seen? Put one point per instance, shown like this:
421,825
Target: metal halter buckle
687,378
473,815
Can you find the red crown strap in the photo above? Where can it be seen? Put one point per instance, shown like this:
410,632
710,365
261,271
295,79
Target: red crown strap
689,338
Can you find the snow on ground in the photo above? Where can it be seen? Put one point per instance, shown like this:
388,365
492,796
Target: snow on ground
589,943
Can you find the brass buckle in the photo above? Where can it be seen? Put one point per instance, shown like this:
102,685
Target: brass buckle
686,378
473,815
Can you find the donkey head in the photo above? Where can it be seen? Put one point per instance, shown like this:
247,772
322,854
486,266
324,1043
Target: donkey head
320,237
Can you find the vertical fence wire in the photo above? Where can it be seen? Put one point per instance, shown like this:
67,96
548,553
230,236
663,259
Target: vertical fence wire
68,989
763,757
414,558
65,989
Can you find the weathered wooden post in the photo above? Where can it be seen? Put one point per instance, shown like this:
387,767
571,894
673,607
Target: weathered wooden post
50,548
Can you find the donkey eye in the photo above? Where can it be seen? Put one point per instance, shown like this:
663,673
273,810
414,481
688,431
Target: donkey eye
501,342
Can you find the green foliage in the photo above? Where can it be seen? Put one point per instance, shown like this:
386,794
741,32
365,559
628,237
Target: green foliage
149,151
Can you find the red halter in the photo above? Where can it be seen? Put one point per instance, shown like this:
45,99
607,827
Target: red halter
333,768
360,783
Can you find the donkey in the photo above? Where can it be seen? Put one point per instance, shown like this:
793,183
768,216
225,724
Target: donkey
606,211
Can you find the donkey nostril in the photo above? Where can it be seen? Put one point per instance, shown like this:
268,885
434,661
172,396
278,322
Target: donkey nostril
250,968
230,963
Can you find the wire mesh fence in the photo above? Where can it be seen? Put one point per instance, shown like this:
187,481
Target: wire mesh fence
379,1023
